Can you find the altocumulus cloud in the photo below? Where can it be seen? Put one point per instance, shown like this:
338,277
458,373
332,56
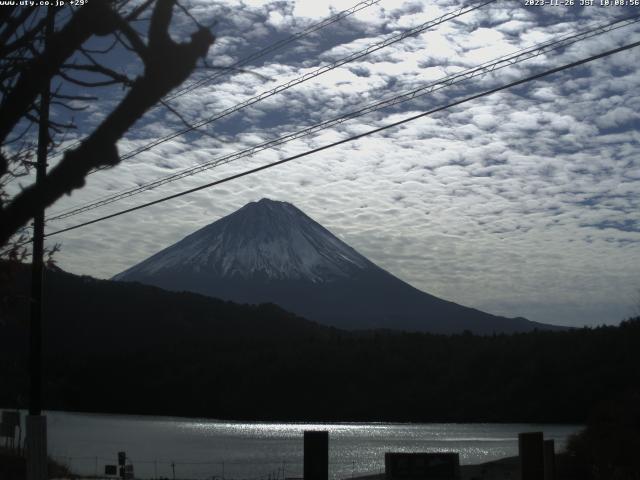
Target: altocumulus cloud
523,203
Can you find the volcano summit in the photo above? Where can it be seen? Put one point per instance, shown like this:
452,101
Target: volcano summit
270,251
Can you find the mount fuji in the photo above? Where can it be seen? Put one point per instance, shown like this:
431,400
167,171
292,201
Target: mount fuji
270,251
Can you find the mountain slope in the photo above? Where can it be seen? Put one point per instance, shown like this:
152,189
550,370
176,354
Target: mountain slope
270,251
86,315
267,239
122,347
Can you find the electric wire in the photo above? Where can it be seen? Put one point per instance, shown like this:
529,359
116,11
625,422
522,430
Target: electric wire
306,77
273,47
483,69
355,137
256,55
356,55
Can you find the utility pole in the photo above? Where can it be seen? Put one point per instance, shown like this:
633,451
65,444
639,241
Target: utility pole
36,422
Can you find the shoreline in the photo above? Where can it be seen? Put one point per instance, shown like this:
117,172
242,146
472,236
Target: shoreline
164,417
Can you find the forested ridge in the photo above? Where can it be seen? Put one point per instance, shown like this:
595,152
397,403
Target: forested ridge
128,348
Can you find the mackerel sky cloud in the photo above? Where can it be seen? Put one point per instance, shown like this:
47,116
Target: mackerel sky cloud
522,203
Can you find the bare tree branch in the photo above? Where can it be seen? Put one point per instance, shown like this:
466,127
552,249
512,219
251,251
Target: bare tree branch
138,10
5,15
188,14
95,18
86,83
60,127
21,135
102,70
84,98
66,106
136,43
167,64
101,51
184,121
11,26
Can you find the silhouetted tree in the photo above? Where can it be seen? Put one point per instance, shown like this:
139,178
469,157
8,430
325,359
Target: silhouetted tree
207,357
607,449
27,67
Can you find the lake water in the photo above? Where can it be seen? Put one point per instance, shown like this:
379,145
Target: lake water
206,449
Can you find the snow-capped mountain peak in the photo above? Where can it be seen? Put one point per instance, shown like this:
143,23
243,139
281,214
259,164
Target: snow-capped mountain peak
268,239
270,251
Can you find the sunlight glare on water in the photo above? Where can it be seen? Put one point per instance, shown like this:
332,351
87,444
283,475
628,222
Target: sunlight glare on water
204,449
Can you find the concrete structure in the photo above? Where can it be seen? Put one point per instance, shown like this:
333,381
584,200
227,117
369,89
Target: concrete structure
316,455
37,447
422,466
549,460
531,450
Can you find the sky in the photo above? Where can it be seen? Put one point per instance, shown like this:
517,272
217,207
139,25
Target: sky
521,203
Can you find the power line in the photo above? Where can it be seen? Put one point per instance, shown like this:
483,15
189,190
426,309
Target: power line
307,76
275,46
501,62
359,54
256,55
487,67
355,137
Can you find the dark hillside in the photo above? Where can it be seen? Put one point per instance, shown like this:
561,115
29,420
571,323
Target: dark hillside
124,347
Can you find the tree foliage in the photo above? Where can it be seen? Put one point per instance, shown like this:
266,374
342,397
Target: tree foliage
607,449
186,354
